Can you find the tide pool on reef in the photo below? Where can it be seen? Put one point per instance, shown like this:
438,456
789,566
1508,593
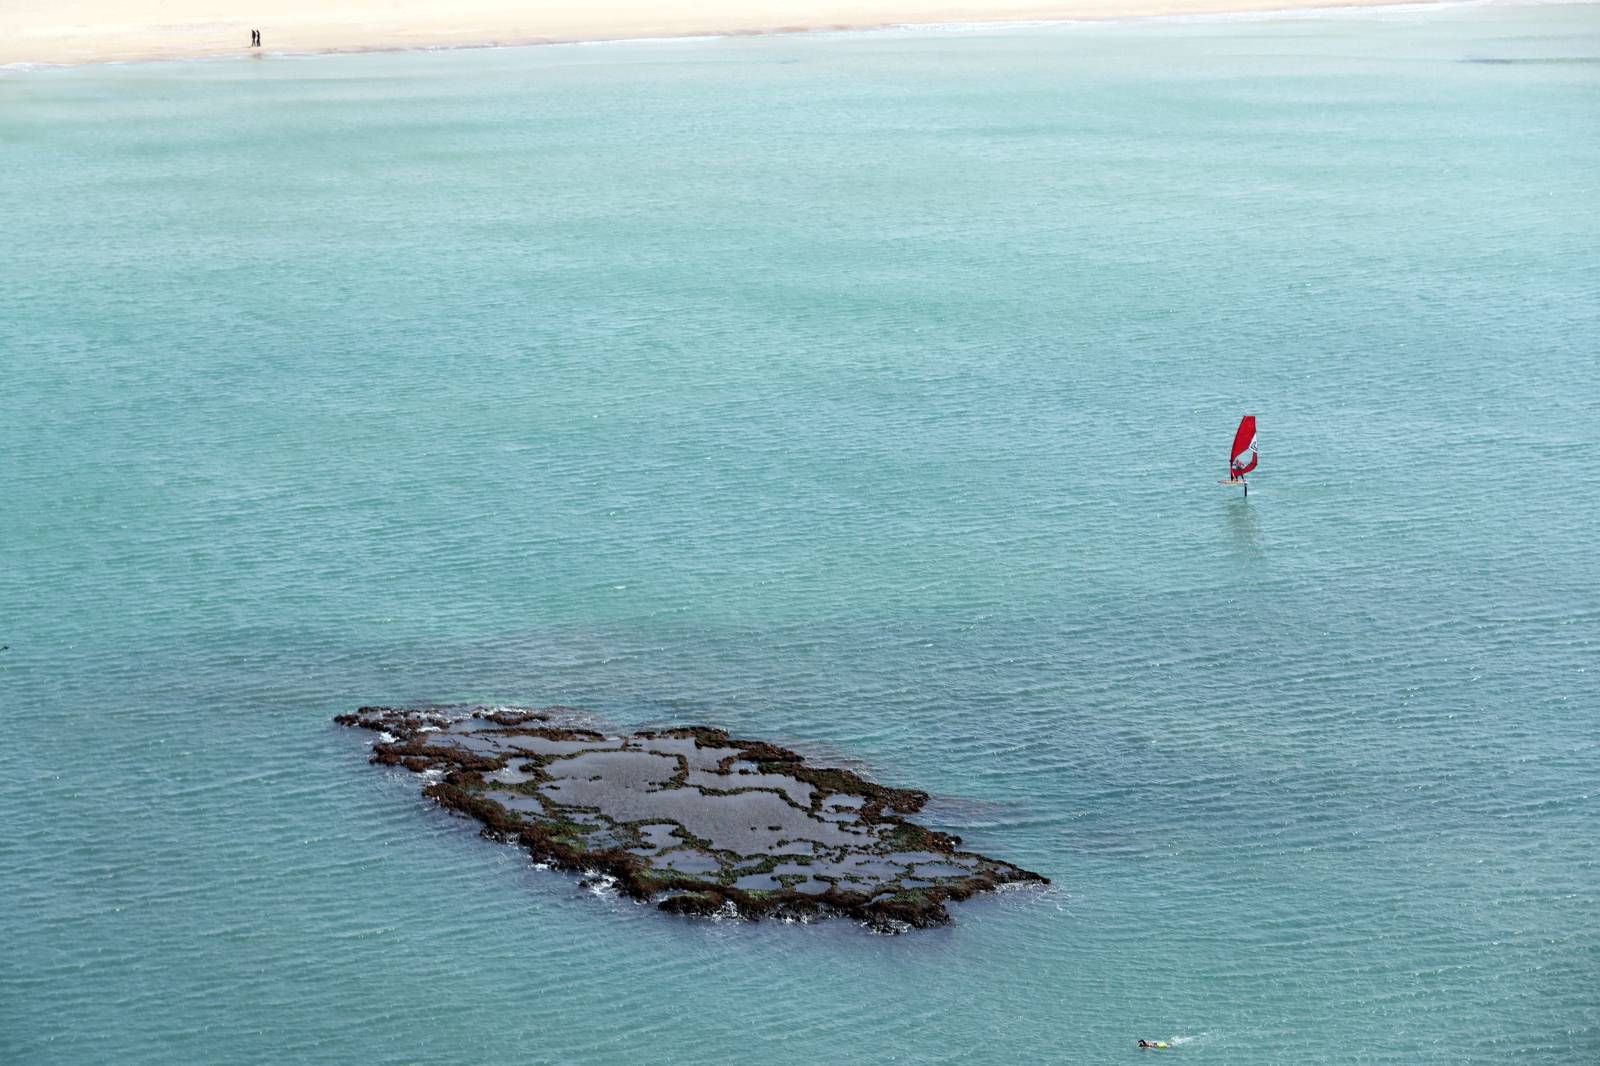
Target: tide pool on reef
865,393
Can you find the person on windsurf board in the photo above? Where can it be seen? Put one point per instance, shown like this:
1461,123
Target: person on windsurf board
1244,442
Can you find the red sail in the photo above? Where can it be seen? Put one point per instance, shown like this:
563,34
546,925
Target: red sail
1243,441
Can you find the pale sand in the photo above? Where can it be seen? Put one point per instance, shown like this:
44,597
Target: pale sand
88,31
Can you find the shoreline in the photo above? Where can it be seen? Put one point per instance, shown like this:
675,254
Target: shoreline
70,36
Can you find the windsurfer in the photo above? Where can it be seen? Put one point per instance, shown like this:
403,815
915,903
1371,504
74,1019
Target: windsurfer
1244,444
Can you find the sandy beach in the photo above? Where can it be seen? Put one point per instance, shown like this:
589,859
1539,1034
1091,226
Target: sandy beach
90,31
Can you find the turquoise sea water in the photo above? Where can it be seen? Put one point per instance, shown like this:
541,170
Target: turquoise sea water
865,392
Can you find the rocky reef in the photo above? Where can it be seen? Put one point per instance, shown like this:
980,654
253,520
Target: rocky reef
704,823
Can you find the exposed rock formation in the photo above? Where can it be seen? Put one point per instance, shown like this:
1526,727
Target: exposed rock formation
706,823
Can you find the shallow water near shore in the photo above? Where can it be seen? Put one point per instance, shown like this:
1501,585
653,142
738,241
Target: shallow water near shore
864,393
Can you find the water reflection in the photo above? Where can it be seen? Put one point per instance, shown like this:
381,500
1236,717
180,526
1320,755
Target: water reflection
1243,528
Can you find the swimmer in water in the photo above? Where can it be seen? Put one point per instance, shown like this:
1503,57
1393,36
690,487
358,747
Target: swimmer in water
1158,1045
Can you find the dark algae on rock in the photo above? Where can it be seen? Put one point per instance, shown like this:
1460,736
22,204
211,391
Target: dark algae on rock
701,822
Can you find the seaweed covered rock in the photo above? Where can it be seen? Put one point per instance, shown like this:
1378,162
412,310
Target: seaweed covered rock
704,823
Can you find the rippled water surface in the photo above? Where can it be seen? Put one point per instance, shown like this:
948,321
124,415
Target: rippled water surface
861,392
